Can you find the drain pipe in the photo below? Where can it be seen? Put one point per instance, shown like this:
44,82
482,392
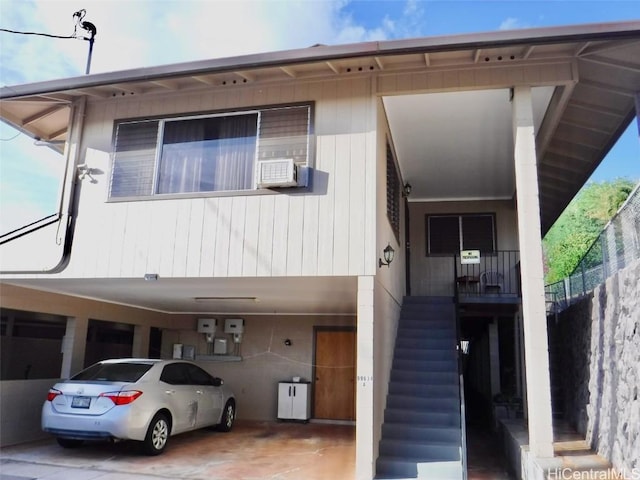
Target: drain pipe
68,195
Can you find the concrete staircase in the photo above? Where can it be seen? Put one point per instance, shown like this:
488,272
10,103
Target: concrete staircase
421,433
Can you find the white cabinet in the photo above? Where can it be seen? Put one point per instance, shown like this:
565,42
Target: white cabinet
294,401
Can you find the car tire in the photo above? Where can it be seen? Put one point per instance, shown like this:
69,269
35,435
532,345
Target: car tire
228,417
157,435
69,442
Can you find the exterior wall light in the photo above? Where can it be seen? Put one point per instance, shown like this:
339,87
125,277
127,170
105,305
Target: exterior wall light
406,190
388,253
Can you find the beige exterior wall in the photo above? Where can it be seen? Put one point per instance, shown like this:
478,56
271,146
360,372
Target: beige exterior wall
430,273
376,346
325,231
266,360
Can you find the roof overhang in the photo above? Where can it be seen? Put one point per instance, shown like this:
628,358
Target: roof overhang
582,120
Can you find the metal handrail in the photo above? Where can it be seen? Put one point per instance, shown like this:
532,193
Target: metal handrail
503,264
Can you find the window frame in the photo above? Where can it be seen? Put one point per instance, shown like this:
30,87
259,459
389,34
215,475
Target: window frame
461,245
162,119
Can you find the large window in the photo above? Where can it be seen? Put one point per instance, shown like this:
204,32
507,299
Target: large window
448,234
205,153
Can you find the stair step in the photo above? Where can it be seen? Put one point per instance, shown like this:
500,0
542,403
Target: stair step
422,390
426,324
421,433
406,364
429,378
429,314
419,451
420,354
423,418
425,333
427,343
438,315
449,404
388,468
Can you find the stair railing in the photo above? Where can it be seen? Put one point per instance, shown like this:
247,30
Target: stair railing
463,420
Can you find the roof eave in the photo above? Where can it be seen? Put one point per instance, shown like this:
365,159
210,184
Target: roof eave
588,32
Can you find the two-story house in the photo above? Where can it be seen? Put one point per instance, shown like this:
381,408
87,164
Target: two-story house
370,211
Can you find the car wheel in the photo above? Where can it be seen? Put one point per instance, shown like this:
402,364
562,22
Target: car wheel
228,416
69,442
157,435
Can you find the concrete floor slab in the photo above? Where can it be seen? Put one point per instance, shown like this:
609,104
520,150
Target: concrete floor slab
251,451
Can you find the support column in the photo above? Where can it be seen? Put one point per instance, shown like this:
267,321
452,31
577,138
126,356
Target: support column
140,346
536,347
364,378
494,357
74,345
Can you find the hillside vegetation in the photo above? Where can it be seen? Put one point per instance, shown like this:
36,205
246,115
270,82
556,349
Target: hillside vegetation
578,227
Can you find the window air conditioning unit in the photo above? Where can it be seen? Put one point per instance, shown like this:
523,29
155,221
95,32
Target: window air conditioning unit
278,173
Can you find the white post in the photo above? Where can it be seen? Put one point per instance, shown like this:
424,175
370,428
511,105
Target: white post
73,346
364,378
533,296
140,346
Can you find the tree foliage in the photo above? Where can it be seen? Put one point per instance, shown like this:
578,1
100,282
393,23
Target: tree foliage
578,227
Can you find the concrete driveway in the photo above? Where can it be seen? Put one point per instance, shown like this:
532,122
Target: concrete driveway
251,451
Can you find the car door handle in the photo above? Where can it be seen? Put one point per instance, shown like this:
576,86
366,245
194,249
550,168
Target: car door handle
199,392
169,392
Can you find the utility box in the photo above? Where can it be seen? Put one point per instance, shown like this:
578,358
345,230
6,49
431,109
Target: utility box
234,325
207,325
220,346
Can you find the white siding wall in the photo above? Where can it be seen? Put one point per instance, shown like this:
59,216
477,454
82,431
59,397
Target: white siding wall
322,232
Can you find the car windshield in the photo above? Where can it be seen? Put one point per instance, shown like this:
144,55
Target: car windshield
113,372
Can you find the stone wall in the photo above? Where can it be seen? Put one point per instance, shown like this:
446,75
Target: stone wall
599,340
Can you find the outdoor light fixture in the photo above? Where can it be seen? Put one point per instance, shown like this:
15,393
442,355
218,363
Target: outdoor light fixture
151,277
406,190
388,254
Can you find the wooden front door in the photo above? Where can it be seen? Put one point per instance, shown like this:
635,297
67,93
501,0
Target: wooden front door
335,369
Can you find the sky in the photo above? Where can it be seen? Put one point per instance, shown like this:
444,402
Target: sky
143,33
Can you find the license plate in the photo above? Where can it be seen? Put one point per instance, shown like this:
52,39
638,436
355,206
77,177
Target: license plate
81,402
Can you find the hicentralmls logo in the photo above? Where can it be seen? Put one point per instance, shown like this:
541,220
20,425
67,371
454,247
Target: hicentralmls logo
606,474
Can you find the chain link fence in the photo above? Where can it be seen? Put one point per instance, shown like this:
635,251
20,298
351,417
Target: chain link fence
617,246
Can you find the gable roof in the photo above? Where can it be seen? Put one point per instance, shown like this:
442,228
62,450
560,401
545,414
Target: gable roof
587,119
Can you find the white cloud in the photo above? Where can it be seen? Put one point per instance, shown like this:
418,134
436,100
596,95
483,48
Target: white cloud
512,23
141,33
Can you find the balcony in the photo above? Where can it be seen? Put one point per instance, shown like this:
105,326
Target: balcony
495,279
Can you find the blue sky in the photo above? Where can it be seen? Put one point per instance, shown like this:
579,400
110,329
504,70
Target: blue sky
140,33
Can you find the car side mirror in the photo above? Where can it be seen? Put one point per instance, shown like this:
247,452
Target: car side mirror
217,382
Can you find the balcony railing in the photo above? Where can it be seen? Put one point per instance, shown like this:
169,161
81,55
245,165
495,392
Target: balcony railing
494,278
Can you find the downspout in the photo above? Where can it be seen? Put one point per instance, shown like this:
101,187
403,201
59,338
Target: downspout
66,209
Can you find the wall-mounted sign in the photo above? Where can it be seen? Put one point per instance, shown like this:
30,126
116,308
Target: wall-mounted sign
469,256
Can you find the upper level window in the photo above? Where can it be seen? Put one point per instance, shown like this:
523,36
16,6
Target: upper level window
448,234
393,193
207,153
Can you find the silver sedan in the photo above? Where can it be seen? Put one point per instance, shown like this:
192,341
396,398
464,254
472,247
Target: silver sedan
146,400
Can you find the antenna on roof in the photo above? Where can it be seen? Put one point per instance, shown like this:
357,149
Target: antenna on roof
91,29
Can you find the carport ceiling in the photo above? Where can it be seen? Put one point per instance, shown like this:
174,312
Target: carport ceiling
259,296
